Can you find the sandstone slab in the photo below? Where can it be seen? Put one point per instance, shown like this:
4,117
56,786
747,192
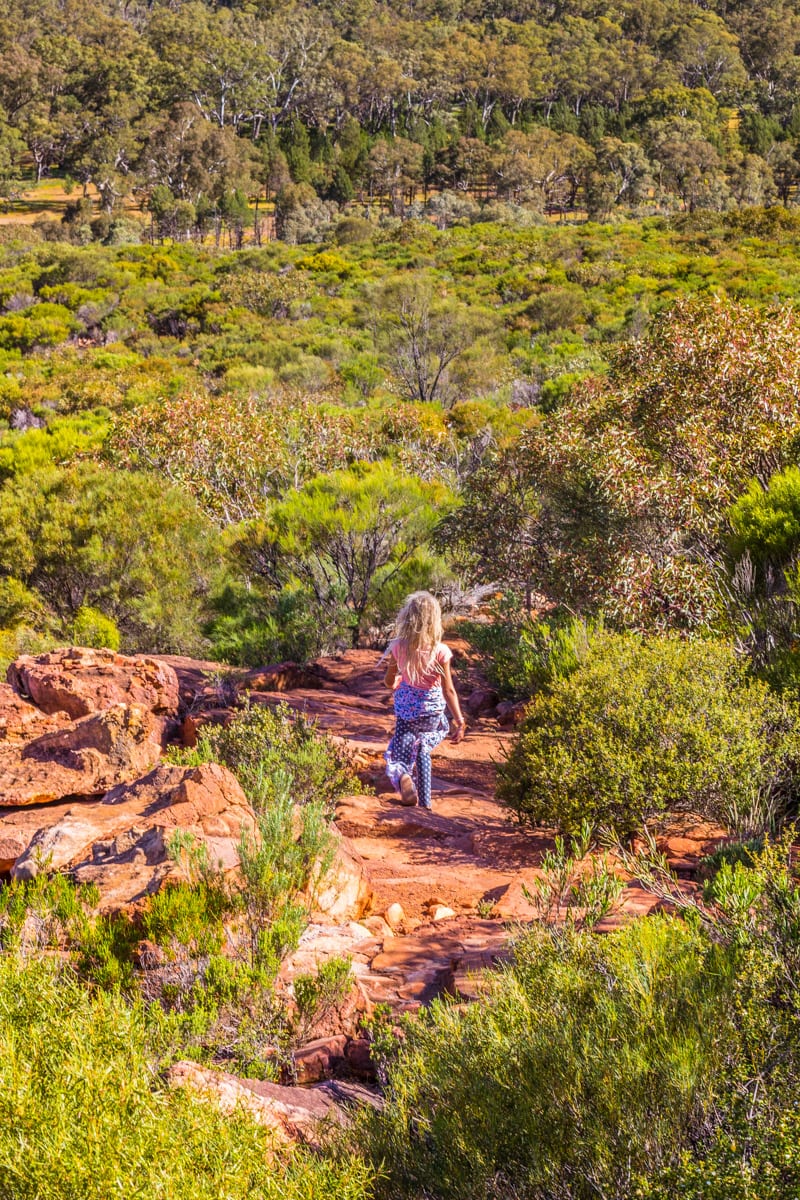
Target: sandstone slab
120,842
86,757
292,1113
344,894
319,1059
79,681
21,721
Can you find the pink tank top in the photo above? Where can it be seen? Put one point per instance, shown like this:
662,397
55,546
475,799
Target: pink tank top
439,658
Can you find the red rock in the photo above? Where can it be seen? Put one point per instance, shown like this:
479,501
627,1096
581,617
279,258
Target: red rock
378,927
680,847
85,758
292,1113
344,894
358,1056
510,714
193,723
319,1059
80,681
19,826
119,842
481,701
280,677
514,905
21,721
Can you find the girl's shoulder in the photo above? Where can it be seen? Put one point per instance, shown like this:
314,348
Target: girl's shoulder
442,653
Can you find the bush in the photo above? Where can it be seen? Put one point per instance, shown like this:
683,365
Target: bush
587,1063
644,726
766,521
119,542
85,1116
659,1061
190,916
254,626
344,537
263,745
524,655
40,325
278,862
750,1151
93,628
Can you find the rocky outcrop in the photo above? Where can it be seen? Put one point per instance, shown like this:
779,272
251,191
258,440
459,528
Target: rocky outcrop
344,893
84,758
21,721
18,827
79,681
292,1113
120,841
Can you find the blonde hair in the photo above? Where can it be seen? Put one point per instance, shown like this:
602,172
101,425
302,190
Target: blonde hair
419,628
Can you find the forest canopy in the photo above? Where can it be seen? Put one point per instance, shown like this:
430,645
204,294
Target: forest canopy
194,107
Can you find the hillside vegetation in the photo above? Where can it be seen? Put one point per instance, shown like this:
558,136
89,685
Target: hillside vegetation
194,107
196,427
348,300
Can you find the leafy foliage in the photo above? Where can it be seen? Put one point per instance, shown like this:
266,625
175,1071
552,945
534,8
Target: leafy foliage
618,500
525,654
344,537
643,726
120,1126
278,862
85,537
549,1082
276,747
579,1027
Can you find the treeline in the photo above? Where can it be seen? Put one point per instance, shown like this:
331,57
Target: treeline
194,107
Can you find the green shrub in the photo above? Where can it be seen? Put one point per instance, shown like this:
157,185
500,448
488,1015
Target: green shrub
93,628
40,325
756,1157
253,627
765,522
750,1149
63,440
587,1063
644,726
190,916
272,891
116,541
319,994
761,596
84,1115
278,862
659,1061
261,745
344,537
524,655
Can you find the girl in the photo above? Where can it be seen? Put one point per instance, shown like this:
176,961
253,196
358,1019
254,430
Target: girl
419,675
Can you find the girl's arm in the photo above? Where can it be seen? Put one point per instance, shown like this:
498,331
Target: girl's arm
451,696
391,672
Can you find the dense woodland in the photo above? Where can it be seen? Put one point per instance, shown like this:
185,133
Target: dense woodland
351,299
194,107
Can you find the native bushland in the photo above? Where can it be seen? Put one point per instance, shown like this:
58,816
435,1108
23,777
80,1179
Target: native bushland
640,727
196,109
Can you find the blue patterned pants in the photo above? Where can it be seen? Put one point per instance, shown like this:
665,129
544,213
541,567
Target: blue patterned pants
420,726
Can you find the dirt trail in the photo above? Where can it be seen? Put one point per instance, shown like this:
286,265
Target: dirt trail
459,873
466,852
